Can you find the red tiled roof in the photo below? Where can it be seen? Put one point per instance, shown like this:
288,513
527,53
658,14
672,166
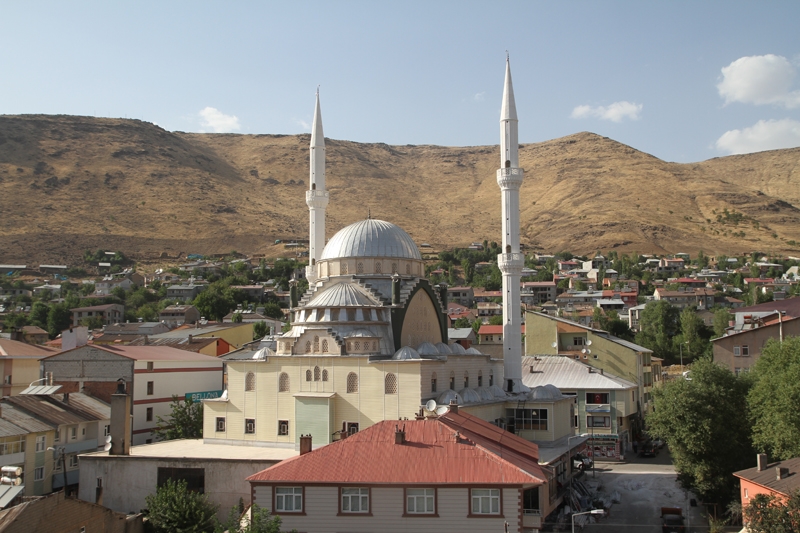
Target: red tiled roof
487,329
452,449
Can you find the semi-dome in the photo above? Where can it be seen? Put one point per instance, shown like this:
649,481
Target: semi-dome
443,348
457,349
485,393
371,238
469,395
343,295
426,348
473,351
447,396
545,393
360,332
406,353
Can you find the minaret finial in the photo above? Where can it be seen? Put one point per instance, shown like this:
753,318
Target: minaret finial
369,213
507,57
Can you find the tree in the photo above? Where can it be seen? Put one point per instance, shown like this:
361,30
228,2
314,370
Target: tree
476,325
496,320
259,521
59,318
175,509
273,310
658,325
704,420
691,328
462,322
185,422
771,514
260,330
722,318
773,399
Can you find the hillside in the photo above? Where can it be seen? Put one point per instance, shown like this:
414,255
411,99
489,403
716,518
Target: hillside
73,183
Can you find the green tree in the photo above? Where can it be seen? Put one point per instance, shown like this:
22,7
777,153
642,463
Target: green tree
722,318
462,322
185,421
705,422
59,318
476,325
771,514
691,330
237,318
175,509
259,521
580,286
774,398
273,310
260,330
496,320
215,302
658,324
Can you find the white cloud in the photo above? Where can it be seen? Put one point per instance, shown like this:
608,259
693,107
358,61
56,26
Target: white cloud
615,112
217,121
759,80
303,124
479,96
764,135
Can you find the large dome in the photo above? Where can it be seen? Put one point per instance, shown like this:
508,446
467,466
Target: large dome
371,238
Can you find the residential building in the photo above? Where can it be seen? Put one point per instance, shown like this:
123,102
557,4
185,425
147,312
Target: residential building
538,292
24,440
108,313
19,364
34,335
463,295
185,292
667,265
682,298
213,346
487,310
236,335
779,478
254,293
152,374
178,315
739,350
454,472
466,337
136,328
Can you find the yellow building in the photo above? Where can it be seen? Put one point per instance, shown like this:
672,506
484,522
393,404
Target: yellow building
19,364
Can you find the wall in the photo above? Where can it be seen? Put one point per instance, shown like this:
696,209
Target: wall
755,340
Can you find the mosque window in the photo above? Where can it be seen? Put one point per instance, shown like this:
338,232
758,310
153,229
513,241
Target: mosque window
394,268
352,382
466,379
316,373
433,382
308,375
308,346
480,378
343,267
316,344
390,384
250,382
357,345
360,268
283,382
378,268
324,375
325,346
491,378
452,380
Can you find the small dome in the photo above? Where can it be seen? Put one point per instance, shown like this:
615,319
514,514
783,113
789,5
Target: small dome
361,332
405,353
545,393
457,349
498,392
343,295
262,354
448,395
469,396
371,238
473,351
427,348
443,348
485,393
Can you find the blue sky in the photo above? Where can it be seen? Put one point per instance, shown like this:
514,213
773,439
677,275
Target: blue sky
683,80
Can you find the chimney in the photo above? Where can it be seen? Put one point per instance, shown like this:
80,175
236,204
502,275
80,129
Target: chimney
305,444
602,372
399,435
190,338
762,461
420,415
146,340
453,407
120,421
781,473
66,397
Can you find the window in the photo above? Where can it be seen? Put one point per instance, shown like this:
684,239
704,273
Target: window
491,378
149,388
577,341
452,380
107,430
149,414
73,461
360,268
73,433
486,501
343,268
316,373
308,375
316,344
433,382
289,499
355,500
325,346
466,379
220,423
736,351
308,346
745,350
250,382
378,268
149,366
390,384
351,428
57,436
324,372
598,421
283,427
596,397
480,378
283,382
535,419
41,444
38,474
250,425
420,501
352,382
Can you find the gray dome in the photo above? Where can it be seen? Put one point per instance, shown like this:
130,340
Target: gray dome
448,395
498,392
360,332
545,393
343,295
427,348
405,353
485,393
457,349
371,238
443,348
469,395
473,351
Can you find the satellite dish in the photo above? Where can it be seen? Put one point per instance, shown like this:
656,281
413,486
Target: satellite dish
587,351
108,439
107,447
588,343
442,409
583,350
554,345
430,405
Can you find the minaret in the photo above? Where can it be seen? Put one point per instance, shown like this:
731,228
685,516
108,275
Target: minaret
316,197
509,178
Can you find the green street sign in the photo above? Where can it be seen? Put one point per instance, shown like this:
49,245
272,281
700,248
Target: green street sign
197,396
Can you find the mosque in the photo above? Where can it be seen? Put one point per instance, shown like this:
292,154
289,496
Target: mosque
368,340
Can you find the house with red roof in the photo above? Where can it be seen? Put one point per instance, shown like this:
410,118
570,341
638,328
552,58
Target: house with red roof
778,479
454,472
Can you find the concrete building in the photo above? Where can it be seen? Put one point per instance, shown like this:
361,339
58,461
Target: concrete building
178,315
24,440
19,364
739,350
538,292
108,313
779,479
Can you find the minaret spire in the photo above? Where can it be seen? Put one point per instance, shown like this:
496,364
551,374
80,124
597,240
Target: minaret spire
317,196
511,261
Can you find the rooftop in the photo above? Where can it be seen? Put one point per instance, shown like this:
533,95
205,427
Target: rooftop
768,477
197,449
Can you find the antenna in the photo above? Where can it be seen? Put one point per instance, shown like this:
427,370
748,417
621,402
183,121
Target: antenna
430,405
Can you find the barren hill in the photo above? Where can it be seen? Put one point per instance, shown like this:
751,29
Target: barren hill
68,184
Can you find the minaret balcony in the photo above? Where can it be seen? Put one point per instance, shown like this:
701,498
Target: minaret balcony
316,198
511,263
510,178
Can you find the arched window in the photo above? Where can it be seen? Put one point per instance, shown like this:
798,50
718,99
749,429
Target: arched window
308,375
491,377
316,373
390,384
480,378
466,379
283,382
343,267
324,375
433,382
316,344
378,268
352,382
325,346
357,346
360,268
452,380
250,382
308,346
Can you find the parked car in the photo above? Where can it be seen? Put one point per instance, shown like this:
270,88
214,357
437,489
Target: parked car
672,520
580,462
648,449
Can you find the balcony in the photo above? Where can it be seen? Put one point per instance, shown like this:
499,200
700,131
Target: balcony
12,459
88,445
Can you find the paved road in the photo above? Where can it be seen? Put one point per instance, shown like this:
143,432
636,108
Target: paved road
644,486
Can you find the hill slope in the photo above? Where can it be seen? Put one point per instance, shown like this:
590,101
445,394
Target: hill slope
73,183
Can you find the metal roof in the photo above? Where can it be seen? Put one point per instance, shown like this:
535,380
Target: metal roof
7,429
11,348
343,295
371,238
49,409
8,493
568,374
768,477
22,419
41,389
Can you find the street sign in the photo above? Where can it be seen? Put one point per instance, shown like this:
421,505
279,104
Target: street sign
197,396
